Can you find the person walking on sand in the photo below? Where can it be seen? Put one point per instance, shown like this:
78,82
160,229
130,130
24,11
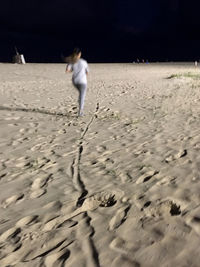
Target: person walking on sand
80,70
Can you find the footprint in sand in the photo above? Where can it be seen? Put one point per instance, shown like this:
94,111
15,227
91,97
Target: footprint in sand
161,208
12,124
24,158
106,160
28,220
48,243
39,162
30,236
57,259
118,245
62,131
118,218
9,233
12,200
39,146
58,222
23,130
146,176
8,249
166,180
102,199
37,186
2,166
52,224
125,177
37,193
101,149
24,164
3,175
36,147
40,182
15,143
33,124
180,154
49,165
72,111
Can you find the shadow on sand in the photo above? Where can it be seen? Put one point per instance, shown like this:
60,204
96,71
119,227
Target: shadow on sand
37,110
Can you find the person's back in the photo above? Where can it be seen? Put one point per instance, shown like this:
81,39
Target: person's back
80,70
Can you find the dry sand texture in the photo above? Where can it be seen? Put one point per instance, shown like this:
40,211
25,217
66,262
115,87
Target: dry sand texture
118,187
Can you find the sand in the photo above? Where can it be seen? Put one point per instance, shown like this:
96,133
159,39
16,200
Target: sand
117,187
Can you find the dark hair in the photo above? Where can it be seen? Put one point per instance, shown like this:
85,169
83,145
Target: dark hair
74,56
76,51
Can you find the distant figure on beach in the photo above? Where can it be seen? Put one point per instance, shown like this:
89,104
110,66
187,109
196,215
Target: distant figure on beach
19,59
196,64
80,70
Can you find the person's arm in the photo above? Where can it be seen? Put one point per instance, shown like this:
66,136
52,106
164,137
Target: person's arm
68,68
87,70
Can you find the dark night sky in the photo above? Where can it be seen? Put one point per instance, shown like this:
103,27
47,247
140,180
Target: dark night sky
106,30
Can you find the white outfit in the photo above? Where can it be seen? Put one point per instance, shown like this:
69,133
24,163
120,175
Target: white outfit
80,69
79,79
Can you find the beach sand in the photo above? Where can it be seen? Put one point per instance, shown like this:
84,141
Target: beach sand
117,187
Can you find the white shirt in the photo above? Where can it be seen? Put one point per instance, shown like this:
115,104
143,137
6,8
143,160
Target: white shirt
80,70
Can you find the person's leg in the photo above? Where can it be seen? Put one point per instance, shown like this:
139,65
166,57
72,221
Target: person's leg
82,96
82,92
77,86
